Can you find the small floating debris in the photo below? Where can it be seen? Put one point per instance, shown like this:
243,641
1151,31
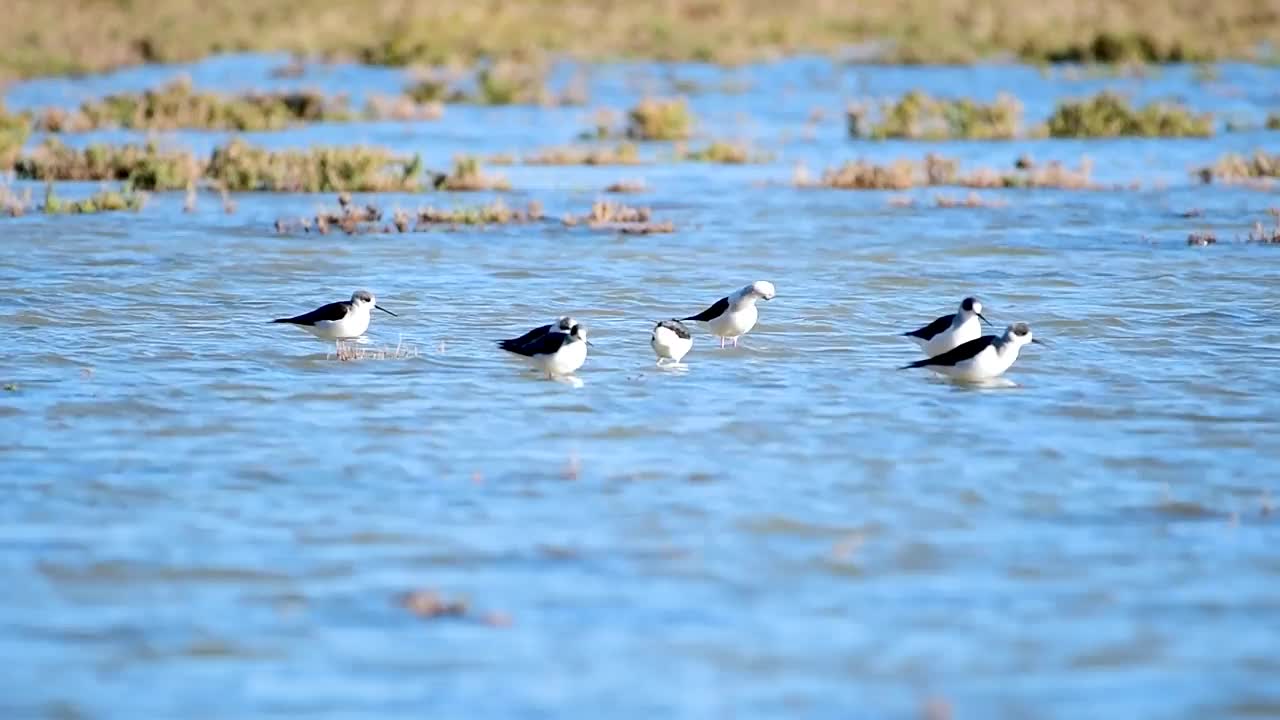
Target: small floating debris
1203,239
627,186
350,351
972,200
431,605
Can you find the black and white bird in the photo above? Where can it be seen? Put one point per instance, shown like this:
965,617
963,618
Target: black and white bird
564,324
733,316
982,359
339,320
950,331
554,352
671,340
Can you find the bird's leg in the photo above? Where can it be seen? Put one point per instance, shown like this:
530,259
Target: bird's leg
735,341
721,342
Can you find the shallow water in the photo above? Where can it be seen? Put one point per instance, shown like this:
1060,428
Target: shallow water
206,515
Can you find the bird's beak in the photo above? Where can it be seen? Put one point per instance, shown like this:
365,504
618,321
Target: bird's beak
386,311
984,319
589,343
1038,341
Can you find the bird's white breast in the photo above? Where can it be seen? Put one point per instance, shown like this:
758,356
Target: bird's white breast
953,337
353,325
564,361
985,365
735,321
667,344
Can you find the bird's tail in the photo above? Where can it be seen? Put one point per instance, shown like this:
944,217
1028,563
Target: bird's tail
282,320
916,364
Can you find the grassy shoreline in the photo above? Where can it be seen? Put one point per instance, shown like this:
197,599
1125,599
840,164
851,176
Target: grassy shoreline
59,37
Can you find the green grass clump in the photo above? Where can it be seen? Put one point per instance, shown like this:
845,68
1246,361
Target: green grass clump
1110,115
176,106
99,202
660,120
238,166
14,129
143,167
920,116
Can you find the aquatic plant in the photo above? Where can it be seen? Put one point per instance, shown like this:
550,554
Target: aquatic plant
920,116
1235,168
353,219
99,202
176,105
609,215
936,170
14,129
13,204
1110,115
621,154
1111,47
401,107
1264,235
722,152
238,166
865,175
1273,121
658,119
500,82
494,213
468,175
142,167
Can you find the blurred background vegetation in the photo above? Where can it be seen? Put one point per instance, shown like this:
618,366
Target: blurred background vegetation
45,37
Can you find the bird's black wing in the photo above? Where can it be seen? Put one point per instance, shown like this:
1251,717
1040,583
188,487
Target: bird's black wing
333,312
548,344
956,355
528,337
928,332
712,312
676,327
